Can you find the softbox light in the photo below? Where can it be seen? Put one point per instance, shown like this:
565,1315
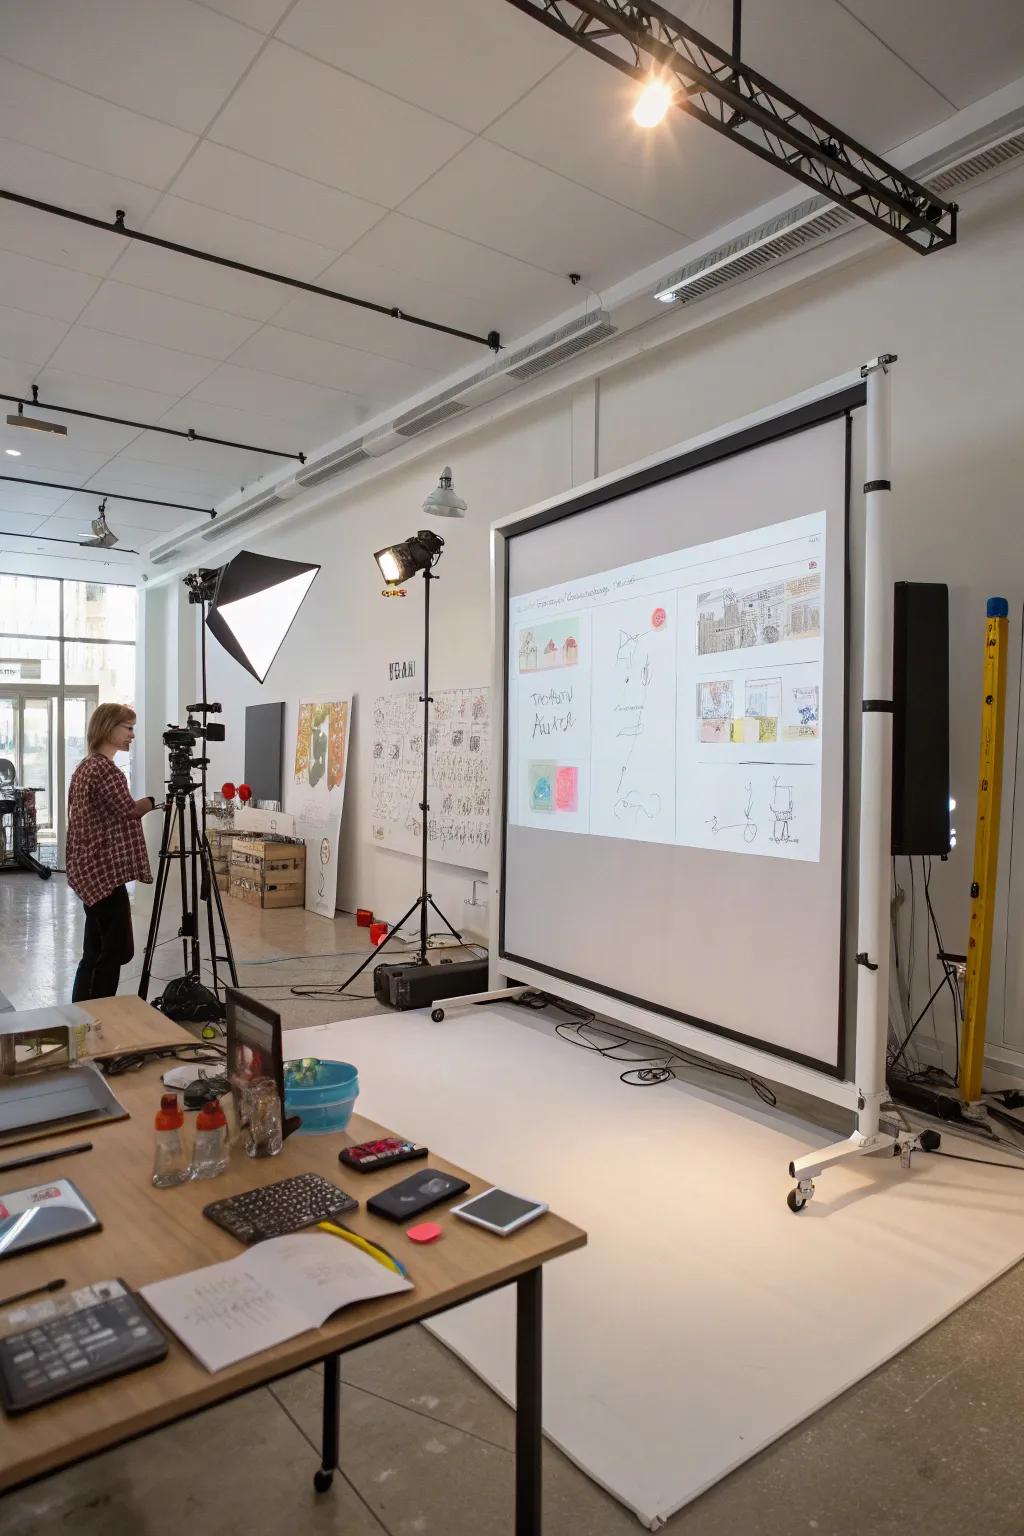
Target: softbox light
256,600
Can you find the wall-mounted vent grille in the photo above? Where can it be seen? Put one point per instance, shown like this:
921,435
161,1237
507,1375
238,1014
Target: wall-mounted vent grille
810,223
254,508
566,342
994,158
422,419
332,464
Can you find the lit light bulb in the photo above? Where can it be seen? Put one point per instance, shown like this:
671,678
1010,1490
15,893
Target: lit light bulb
952,842
652,104
952,803
15,453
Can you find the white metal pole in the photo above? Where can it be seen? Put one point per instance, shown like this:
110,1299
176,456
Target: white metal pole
876,758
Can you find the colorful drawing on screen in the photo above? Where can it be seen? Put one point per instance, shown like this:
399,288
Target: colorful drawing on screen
733,620
658,618
543,646
802,718
567,788
715,708
761,710
541,781
337,743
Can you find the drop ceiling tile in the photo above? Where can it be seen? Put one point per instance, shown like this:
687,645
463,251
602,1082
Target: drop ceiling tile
239,240
31,500
323,362
18,522
120,360
382,334
218,177
48,115
45,457
100,438
26,338
269,394
465,61
264,15
158,482
74,525
431,272
305,116
54,179
43,289
28,232
89,394
147,316
579,123
498,199
238,426
183,277
169,59
964,51
145,522
209,460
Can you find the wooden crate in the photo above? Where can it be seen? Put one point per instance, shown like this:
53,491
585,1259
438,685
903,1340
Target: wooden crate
257,895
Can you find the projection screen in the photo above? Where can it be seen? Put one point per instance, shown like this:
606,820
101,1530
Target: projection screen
674,774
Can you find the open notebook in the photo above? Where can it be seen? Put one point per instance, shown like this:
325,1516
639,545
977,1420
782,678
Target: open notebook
272,1292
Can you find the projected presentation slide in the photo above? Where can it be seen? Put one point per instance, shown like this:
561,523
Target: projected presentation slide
679,699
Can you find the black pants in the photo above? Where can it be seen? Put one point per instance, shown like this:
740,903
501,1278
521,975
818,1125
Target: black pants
109,944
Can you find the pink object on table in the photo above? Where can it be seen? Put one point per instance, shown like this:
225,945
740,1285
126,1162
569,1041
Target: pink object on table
426,1232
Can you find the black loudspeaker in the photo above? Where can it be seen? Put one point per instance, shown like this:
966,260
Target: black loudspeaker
920,727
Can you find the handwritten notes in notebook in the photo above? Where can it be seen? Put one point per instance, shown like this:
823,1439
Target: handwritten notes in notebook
272,1292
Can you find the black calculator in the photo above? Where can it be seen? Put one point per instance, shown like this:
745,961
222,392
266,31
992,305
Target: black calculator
64,1354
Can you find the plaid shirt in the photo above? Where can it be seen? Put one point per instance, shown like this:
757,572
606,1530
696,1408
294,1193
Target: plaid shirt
105,845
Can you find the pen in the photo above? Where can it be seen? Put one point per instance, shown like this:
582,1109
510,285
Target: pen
35,1290
45,1157
373,1249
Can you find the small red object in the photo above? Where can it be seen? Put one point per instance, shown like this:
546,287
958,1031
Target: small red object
228,790
211,1116
378,932
426,1232
169,1116
658,618
364,917
244,793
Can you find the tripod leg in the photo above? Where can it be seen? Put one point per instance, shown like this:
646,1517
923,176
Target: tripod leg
307,991
215,893
194,854
158,901
183,871
451,930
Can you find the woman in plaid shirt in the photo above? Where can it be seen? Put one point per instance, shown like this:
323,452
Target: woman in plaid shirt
105,849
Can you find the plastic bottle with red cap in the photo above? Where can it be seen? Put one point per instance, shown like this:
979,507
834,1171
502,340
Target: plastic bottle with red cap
210,1151
170,1162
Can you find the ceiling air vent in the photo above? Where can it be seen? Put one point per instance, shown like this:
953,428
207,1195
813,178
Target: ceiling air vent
242,514
993,158
579,334
811,223
421,420
332,464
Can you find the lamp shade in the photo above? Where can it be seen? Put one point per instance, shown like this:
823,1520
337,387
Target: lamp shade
255,604
442,501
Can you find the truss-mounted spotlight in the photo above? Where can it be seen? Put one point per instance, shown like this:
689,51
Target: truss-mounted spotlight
442,501
36,423
653,102
400,561
104,536
254,603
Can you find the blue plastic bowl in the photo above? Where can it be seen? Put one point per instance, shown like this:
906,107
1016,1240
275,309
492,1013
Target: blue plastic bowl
322,1093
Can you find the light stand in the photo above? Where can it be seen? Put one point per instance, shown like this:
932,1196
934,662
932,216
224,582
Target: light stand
397,564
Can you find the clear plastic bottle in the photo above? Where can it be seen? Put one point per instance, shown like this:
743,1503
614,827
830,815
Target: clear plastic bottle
170,1163
210,1151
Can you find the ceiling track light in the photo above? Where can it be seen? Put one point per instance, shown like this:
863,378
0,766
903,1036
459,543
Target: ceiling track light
36,423
104,536
189,433
117,226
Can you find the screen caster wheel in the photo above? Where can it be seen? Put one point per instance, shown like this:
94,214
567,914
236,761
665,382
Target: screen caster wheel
437,1015
322,1480
798,1197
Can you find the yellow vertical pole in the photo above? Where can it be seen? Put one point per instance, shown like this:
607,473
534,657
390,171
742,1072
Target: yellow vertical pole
986,852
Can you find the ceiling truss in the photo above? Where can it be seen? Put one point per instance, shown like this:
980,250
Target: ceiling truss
718,89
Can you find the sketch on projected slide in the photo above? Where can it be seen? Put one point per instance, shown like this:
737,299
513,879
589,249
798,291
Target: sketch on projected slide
543,646
762,710
801,720
748,825
715,710
633,806
732,620
782,810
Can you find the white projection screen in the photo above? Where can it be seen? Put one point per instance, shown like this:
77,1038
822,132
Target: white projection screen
675,736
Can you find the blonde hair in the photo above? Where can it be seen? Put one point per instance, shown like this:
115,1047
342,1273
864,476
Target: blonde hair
104,721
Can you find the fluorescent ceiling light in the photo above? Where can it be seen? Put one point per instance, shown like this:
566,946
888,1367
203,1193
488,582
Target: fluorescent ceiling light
15,453
37,423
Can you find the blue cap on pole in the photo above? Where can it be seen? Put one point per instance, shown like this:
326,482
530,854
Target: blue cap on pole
997,608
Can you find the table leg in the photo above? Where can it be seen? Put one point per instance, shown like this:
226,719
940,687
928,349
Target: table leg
528,1403
324,1476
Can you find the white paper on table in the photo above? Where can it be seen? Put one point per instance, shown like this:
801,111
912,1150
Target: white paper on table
272,1292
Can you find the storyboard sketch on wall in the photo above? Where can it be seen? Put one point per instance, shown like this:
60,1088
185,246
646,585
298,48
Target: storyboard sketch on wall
459,828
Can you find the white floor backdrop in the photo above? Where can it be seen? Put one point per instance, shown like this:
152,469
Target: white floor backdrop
703,1320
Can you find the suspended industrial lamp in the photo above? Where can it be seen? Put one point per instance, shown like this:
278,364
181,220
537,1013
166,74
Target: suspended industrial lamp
103,536
442,501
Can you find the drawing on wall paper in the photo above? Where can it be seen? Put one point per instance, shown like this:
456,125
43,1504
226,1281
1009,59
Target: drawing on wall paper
459,826
543,646
303,731
747,825
783,811
337,742
318,743
762,709
802,718
715,710
731,620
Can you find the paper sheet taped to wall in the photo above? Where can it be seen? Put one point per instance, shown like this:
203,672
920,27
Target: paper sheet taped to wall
459,827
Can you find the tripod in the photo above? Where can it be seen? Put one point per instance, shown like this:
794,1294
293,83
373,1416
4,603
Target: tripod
424,900
198,883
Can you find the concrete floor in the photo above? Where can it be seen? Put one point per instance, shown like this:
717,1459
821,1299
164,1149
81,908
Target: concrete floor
926,1446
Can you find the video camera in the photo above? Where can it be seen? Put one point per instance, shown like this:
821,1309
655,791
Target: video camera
181,741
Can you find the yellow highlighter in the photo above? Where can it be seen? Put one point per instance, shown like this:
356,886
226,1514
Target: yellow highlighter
380,1254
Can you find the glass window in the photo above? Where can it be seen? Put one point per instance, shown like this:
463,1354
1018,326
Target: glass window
107,667
24,660
29,605
98,611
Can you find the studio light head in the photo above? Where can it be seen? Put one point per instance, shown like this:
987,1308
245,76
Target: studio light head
253,602
400,561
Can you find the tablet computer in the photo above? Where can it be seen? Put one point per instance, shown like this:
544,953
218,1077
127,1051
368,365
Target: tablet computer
42,1214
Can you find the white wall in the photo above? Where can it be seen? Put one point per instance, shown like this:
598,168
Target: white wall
954,318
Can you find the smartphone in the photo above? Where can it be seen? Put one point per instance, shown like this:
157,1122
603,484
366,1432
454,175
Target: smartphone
499,1211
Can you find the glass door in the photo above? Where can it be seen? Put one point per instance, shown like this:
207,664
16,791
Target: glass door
9,736
39,766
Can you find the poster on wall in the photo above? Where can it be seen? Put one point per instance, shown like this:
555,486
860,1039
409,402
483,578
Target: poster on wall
459,829
315,793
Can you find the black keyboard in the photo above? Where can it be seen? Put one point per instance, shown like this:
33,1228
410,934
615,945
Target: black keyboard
63,1354
275,1209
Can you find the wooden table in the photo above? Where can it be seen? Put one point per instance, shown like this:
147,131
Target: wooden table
149,1234
128,1024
